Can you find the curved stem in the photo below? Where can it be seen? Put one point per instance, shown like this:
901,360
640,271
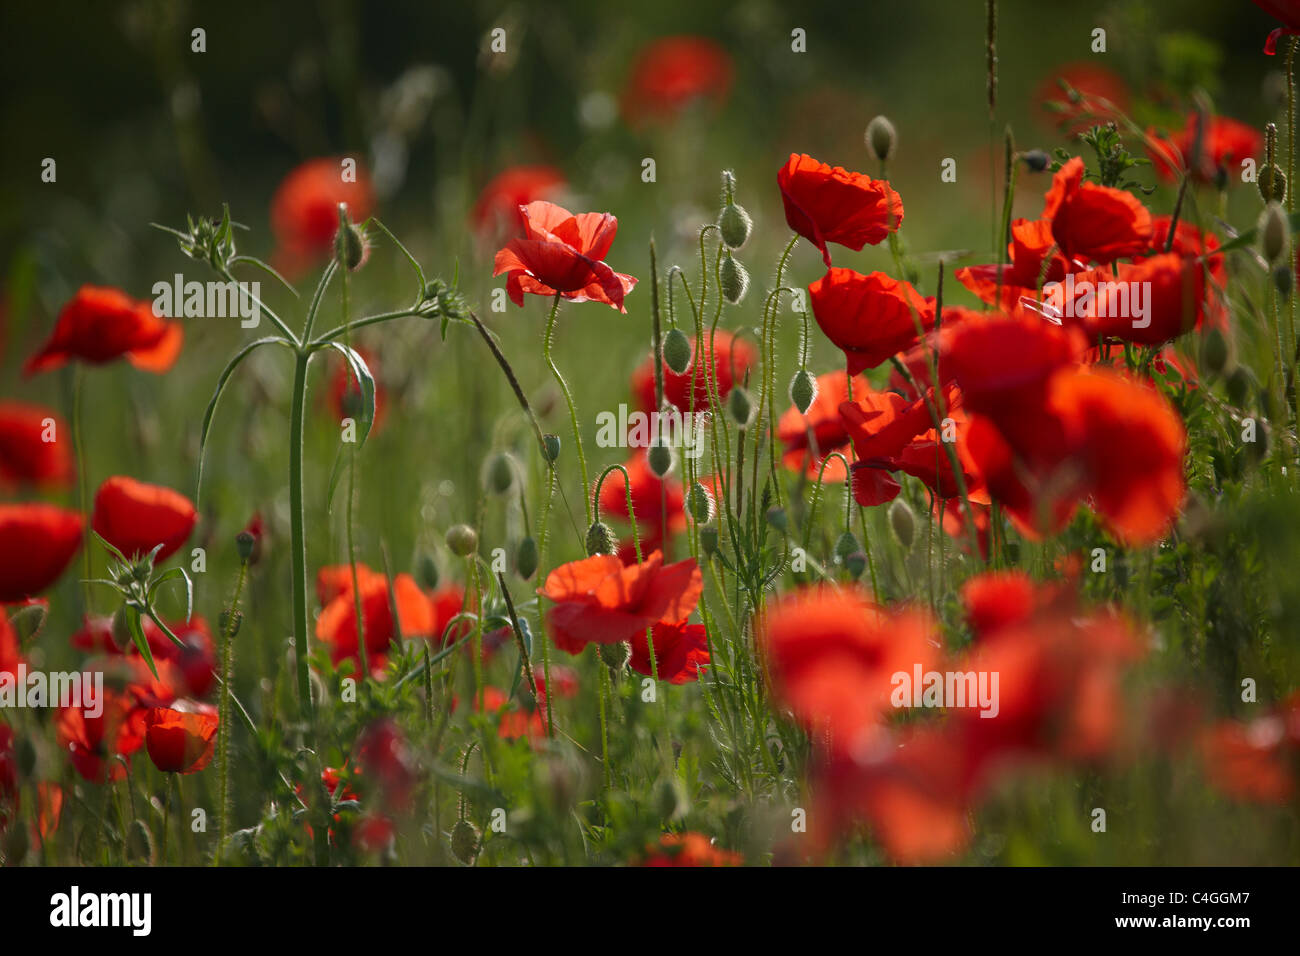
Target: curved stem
547,339
350,327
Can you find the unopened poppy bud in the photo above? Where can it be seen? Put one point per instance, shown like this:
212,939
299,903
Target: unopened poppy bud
778,519
464,840
616,656
1272,183
601,539
462,539
1274,233
1284,279
739,406
27,621
526,557
856,563
1214,351
121,630
426,572
700,503
1036,160
903,522
244,544
845,546
500,473
733,278
803,390
735,225
551,446
677,351
228,620
350,247
709,540
881,138
660,458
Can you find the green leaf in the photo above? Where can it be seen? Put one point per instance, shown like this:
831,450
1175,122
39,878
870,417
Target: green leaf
367,382
137,636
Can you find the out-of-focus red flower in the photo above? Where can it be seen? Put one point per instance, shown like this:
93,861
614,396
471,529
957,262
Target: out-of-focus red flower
670,73
1288,11
951,513
826,204
385,757
810,438
446,603
498,204
135,517
689,849
689,390
257,528
194,665
36,543
1204,147
1098,94
997,599
515,722
869,317
180,741
832,657
305,211
1256,761
1173,289
101,324
1094,223
34,446
94,744
563,253
337,623
599,600
681,649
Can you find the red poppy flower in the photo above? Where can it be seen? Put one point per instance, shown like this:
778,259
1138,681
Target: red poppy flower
1173,288
511,188
305,211
689,849
337,623
681,649
1288,11
136,517
810,438
869,317
1255,762
34,446
1099,93
36,543
670,73
832,657
517,721
687,391
600,600
94,744
1093,223
385,757
102,324
827,204
1221,144
180,741
563,253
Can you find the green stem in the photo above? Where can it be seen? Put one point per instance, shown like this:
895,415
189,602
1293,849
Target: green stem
298,540
223,720
547,340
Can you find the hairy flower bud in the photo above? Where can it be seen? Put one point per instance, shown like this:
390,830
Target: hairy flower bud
846,546
803,390
28,620
739,406
660,458
526,557
616,655
601,539
699,503
735,225
464,840
677,351
426,572
709,540
1274,233
733,278
462,539
903,522
1272,183
881,138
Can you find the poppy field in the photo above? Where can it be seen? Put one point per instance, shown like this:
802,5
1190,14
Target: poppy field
553,437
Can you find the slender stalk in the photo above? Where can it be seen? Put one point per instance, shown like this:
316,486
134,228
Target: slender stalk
223,720
547,340
298,540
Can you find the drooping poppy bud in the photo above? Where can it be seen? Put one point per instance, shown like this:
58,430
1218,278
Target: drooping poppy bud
739,406
677,351
601,539
1272,183
1274,233
615,656
903,522
500,473
881,138
699,503
462,540
733,277
660,458
846,545
526,557
735,225
426,572
803,390
464,841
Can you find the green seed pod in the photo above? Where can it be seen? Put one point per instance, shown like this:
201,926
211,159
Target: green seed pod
733,278
526,557
500,473
1272,184
1274,233
464,841
709,540
845,546
616,655
735,225
778,519
699,503
551,446
739,406
426,572
660,458
462,539
1214,351
27,621
881,138
225,620
903,522
803,390
601,539
677,351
